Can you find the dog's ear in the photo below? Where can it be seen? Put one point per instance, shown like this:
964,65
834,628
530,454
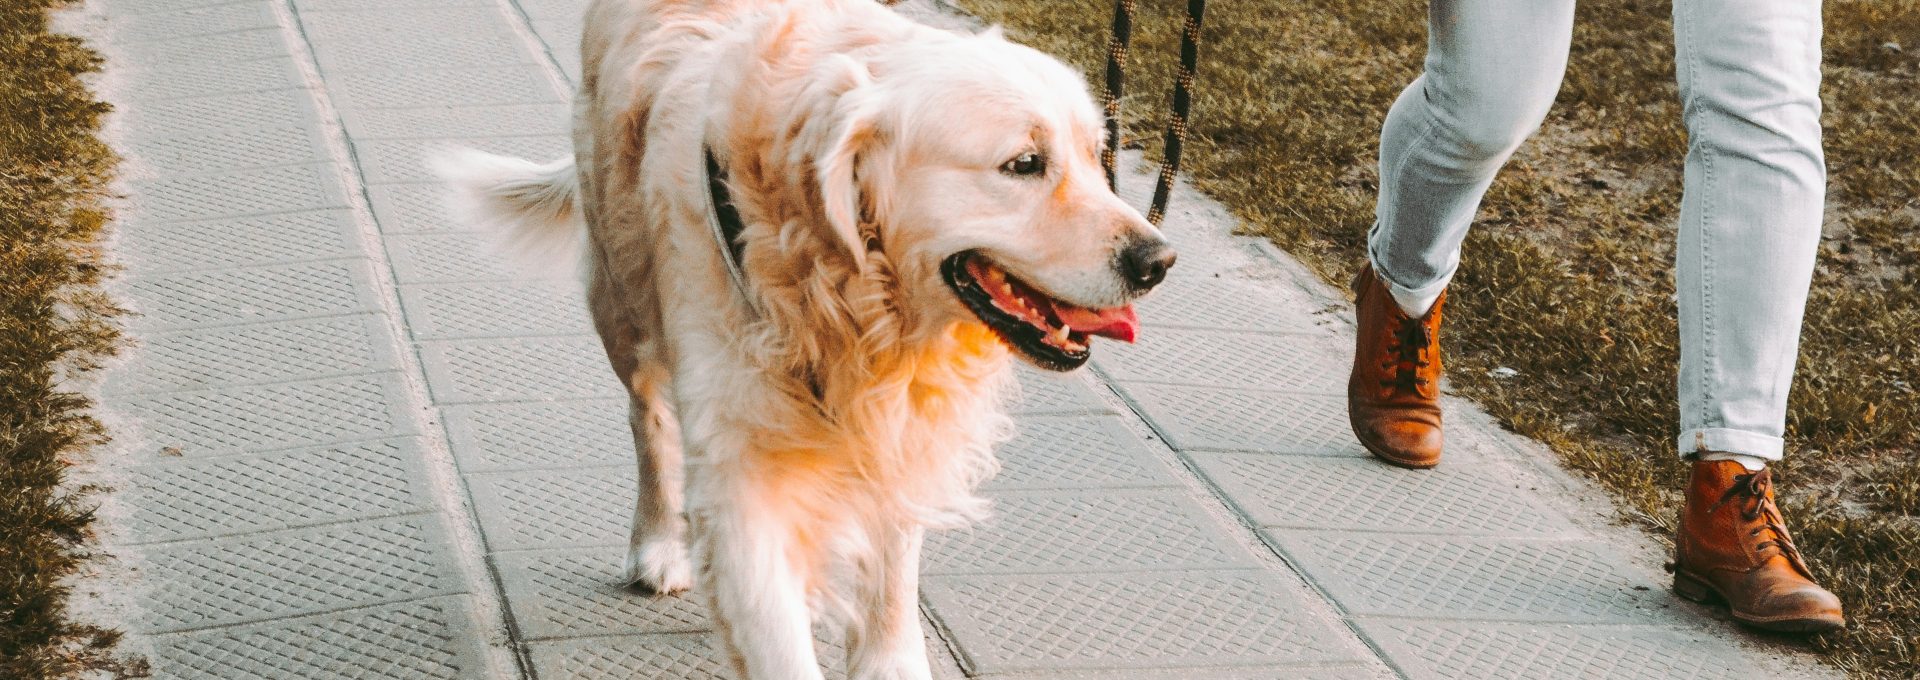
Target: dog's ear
852,126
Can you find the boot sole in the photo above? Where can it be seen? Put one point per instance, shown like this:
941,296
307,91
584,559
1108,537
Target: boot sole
1698,590
1382,454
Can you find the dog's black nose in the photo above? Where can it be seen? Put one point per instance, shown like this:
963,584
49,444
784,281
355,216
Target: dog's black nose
1146,262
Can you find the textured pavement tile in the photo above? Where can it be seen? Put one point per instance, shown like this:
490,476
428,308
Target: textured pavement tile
252,295
1241,420
579,507
545,368
284,238
687,655
405,160
1225,359
1057,452
218,114
274,352
213,77
1220,304
342,5
461,258
430,638
134,7
493,310
1363,494
1471,651
289,573
680,656
1107,530
266,417
218,152
182,499
1472,578
540,434
415,208
553,10
554,119
562,37
1003,624
1047,393
375,25
245,192
418,49
574,593
1271,672
258,43
442,87
203,20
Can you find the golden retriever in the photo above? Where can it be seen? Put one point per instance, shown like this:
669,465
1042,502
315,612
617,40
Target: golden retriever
917,206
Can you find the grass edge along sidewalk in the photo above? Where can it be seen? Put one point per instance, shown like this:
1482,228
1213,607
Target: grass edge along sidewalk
54,325
1567,276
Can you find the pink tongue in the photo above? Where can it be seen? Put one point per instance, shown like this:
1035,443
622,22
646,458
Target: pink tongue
1119,323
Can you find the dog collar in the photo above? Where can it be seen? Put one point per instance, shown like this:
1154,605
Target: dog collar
723,219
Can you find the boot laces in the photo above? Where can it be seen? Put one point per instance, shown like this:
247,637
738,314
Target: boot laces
1754,491
1406,356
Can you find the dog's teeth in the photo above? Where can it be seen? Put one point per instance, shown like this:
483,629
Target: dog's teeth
1059,335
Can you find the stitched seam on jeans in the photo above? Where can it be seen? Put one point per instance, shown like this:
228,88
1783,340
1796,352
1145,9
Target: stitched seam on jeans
1700,138
1426,133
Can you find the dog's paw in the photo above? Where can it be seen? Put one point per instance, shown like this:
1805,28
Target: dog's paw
660,567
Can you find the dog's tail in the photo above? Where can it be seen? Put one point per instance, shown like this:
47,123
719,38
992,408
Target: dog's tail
534,207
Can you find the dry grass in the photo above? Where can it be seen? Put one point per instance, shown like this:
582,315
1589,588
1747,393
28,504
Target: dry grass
53,322
1577,236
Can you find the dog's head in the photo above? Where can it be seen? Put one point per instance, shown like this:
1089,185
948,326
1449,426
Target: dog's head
972,163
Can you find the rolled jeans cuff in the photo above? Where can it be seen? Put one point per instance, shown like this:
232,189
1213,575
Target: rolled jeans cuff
1421,297
1731,441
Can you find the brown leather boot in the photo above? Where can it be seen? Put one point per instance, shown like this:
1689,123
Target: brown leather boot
1393,394
1733,547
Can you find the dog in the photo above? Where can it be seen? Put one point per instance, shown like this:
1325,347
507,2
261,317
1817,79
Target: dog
809,395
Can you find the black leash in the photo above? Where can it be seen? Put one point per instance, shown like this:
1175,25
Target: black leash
723,218
1176,135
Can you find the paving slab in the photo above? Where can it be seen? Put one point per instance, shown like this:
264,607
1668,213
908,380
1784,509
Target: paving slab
241,241
1077,452
1114,622
1358,494
1468,651
354,441
430,638
206,497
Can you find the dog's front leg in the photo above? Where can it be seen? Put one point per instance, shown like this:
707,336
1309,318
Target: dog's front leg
886,643
759,598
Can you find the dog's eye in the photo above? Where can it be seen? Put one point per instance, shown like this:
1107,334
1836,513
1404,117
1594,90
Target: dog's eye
1025,164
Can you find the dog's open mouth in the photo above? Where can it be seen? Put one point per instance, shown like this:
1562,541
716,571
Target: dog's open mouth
1050,332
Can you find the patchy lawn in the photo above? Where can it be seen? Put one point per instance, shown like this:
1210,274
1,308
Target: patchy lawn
1577,238
53,323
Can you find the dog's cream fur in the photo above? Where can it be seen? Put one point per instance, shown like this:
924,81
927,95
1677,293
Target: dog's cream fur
791,457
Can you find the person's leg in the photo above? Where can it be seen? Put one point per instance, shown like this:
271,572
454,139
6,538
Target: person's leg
1750,219
1749,227
1492,69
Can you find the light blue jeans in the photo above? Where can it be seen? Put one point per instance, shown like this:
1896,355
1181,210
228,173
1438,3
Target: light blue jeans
1755,182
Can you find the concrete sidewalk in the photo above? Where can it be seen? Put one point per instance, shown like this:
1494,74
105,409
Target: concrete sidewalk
352,444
